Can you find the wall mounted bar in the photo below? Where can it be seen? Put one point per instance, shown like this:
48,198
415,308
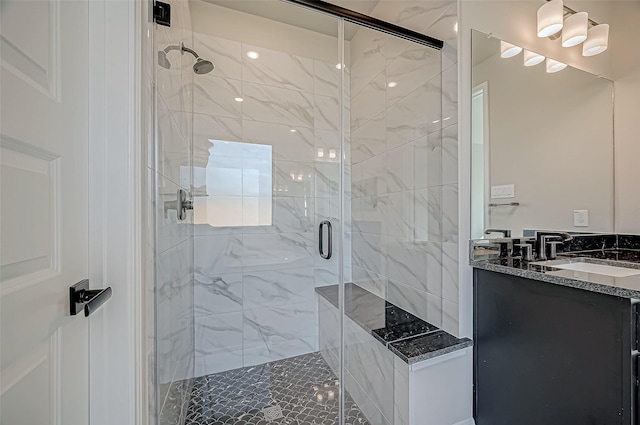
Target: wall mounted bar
507,204
369,22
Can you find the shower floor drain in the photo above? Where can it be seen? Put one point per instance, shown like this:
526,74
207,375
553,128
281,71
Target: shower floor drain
272,413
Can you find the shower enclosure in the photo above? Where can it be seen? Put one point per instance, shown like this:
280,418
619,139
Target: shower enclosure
296,166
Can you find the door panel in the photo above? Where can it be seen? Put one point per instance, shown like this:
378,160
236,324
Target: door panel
43,211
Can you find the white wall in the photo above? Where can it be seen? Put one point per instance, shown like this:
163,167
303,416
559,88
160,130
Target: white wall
626,74
552,136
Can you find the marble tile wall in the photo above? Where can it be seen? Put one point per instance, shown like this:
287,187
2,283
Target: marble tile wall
404,188
169,243
404,148
254,285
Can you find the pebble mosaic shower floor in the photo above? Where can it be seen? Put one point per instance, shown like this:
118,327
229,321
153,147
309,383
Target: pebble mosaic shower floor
296,391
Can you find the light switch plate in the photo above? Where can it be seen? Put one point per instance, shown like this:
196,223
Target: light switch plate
581,218
504,191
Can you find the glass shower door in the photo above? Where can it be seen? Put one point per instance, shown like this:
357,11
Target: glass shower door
267,166
170,175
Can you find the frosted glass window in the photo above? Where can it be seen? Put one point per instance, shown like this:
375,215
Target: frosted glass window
235,188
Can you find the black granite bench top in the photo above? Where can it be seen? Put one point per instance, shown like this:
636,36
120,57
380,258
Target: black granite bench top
409,337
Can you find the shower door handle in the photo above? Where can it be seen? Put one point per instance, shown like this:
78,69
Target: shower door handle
329,238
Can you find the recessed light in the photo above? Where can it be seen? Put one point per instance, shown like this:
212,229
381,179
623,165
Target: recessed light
392,84
253,55
455,27
239,99
447,118
436,121
293,130
339,66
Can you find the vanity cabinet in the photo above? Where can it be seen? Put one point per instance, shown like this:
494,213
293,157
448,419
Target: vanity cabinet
551,354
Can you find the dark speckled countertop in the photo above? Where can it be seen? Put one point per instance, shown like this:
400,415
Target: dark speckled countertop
626,287
409,337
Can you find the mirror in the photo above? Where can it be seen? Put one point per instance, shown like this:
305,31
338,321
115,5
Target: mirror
542,145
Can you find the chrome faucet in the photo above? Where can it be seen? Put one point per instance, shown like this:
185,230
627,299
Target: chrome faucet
542,238
505,232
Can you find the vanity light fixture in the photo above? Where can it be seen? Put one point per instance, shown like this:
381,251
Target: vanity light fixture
575,29
508,50
556,20
550,18
597,40
555,66
531,58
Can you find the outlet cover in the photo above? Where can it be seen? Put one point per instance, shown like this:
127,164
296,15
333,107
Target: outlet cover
581,218
504,191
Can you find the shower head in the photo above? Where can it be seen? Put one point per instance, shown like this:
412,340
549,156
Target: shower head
202,66
163,61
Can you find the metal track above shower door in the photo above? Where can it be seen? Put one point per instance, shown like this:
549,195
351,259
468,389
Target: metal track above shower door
369,22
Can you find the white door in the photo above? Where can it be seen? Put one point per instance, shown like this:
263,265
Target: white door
43,211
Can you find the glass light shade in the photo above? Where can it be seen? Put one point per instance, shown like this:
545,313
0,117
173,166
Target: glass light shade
550,18
597,40
554,66
508,50
575,29
531,59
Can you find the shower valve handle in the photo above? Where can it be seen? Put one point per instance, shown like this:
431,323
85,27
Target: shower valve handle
181,205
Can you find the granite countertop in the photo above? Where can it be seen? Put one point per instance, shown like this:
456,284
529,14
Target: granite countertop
626,287
409,337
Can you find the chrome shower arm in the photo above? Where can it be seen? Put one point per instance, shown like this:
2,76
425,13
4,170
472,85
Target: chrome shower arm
182,48
186,49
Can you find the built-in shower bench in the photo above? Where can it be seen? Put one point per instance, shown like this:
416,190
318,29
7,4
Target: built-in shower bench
399,368
407,336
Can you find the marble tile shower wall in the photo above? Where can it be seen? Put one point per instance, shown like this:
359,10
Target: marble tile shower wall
254,285
169,267
404,162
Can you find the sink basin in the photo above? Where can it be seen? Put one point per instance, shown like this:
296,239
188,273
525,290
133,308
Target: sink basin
602,269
